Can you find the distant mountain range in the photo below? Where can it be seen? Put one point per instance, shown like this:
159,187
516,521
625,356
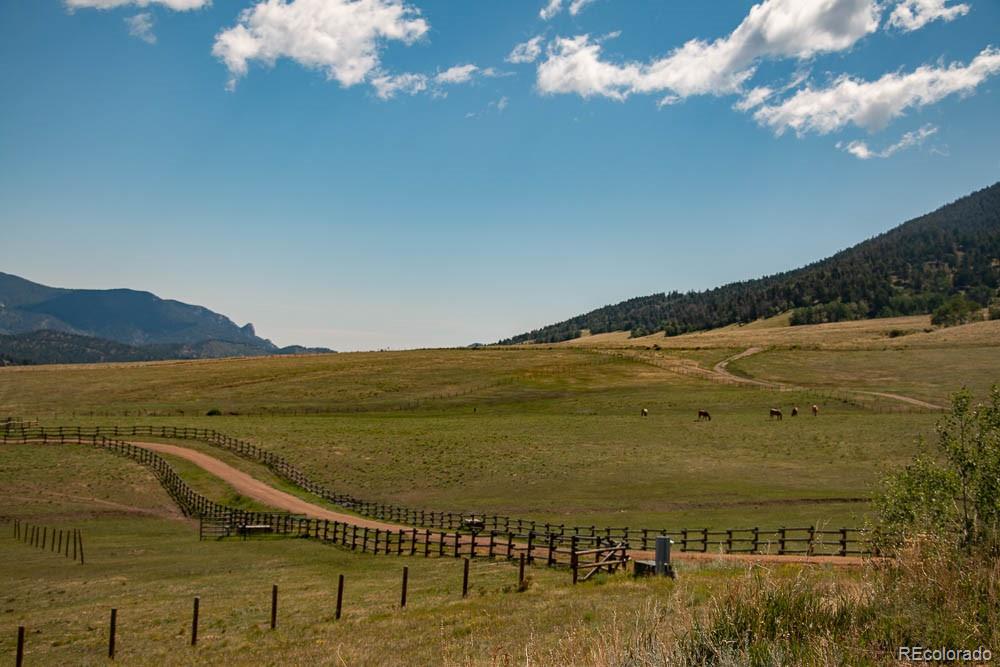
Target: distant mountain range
40,324
911,269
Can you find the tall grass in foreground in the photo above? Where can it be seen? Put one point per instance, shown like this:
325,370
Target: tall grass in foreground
932,595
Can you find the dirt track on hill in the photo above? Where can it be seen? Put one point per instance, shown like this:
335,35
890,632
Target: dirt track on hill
254,488
722,370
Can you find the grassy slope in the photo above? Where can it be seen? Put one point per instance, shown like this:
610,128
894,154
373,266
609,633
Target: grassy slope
540,433
146,561
930,374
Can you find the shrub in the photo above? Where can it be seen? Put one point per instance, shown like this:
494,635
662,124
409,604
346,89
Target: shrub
214,412
956,310
995,312
954,493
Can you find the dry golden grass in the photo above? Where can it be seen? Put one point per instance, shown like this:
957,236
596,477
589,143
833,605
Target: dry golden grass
776,331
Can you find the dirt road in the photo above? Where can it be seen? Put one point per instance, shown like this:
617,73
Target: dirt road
254,488
251,487
722,370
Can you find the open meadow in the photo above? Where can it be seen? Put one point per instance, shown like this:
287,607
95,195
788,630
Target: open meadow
551,434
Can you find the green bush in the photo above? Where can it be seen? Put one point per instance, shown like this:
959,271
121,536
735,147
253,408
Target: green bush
957,310
214,412
954,492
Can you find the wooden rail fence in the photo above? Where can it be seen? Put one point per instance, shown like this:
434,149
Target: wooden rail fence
808,540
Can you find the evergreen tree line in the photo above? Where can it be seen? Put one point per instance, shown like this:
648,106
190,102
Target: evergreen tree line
918,267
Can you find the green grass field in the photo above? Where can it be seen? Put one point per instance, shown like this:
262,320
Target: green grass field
547,434
146,561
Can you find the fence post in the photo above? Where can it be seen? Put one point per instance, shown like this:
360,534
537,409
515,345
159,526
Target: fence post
79,537
520,573
781,541
274,606
19,660
340,596
756,539
812,540
465,579
194,621
843,541
111,633
574,562
551,560
531,539
402,598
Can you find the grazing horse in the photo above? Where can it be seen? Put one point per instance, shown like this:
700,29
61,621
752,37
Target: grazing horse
645,412
795,411
815,409
703,416
776,414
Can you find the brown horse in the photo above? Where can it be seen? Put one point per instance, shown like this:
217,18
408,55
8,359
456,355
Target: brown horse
703,416
776,414
815,409
795,411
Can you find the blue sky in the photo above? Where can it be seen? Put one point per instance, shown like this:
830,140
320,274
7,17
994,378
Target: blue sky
335,172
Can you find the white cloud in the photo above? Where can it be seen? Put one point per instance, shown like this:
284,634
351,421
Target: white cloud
178,5
140,26
551,9
754,98
860,149
526,52
457,74
873,104
502,103
388,86
773,28
911,15
341,37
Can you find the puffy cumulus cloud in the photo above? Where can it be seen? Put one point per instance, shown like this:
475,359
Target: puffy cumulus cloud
526,52
341,37
140,26
911,15
178,5
860,149
873,104
773,28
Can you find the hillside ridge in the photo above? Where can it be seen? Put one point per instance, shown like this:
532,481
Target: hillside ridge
910,269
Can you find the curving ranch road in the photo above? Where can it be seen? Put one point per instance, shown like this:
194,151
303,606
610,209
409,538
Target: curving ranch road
256,489
251,487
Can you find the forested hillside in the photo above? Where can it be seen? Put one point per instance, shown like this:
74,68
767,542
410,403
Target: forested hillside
914,268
